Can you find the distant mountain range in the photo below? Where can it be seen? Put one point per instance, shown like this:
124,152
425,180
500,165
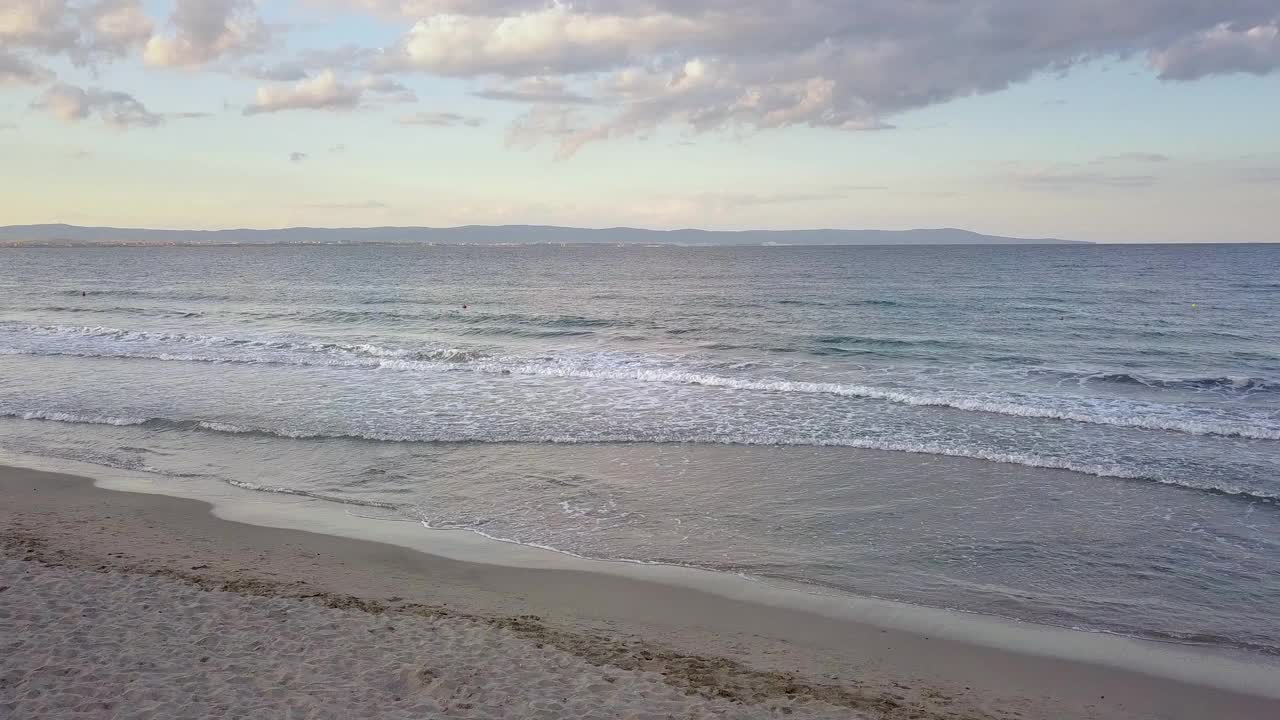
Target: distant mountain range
496,235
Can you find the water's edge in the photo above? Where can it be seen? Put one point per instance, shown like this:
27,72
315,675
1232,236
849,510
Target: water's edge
1222,668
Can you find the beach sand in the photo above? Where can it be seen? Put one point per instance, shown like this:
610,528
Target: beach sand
130,605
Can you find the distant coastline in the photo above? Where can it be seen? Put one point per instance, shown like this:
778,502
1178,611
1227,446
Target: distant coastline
59,235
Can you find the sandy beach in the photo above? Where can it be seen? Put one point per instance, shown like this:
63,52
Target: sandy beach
121,604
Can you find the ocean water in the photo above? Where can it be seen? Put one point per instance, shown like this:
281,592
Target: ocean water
1084,436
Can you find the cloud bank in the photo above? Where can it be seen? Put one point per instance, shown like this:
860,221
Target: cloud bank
589,70
839,64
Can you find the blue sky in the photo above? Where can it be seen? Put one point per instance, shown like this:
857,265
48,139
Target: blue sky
1077,118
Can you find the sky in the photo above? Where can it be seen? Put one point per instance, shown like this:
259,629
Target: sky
1134,121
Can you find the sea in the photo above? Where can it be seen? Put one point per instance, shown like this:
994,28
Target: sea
1085,436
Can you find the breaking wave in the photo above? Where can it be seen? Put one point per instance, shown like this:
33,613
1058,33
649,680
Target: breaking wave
54,416
589,437
1117,412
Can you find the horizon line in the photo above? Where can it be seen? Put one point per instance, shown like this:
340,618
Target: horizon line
951,228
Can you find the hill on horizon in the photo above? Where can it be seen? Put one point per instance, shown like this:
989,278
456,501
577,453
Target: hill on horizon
59,234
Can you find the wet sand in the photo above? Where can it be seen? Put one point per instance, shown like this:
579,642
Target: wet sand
122,604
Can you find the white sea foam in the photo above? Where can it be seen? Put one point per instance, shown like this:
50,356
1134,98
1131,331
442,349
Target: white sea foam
1116,412
1111,470
1127,413
65,417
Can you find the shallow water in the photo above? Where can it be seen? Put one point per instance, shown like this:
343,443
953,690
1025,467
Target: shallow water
1084,436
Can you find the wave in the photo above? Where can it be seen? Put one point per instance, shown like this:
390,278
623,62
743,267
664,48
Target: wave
519,332
495,322
872,302
1232,384
450,355
918,448
1122,413
412,361
313,495
349,351
548,321
54,416
804,303
1152,420
146,312
155,294
880,341
395,300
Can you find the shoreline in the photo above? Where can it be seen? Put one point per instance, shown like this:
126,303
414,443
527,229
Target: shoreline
858,653
600,564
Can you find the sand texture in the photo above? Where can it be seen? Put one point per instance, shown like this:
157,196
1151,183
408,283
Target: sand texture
83,644
108,645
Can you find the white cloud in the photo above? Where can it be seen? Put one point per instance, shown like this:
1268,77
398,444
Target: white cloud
630,66
842,64
1224,49
322,92
278,72
557,122
118,25
414,9
388,88
86,30
15,70
441,119
205,30
117,109
708,95
551,40
36,23
383,84
326,91
534,90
